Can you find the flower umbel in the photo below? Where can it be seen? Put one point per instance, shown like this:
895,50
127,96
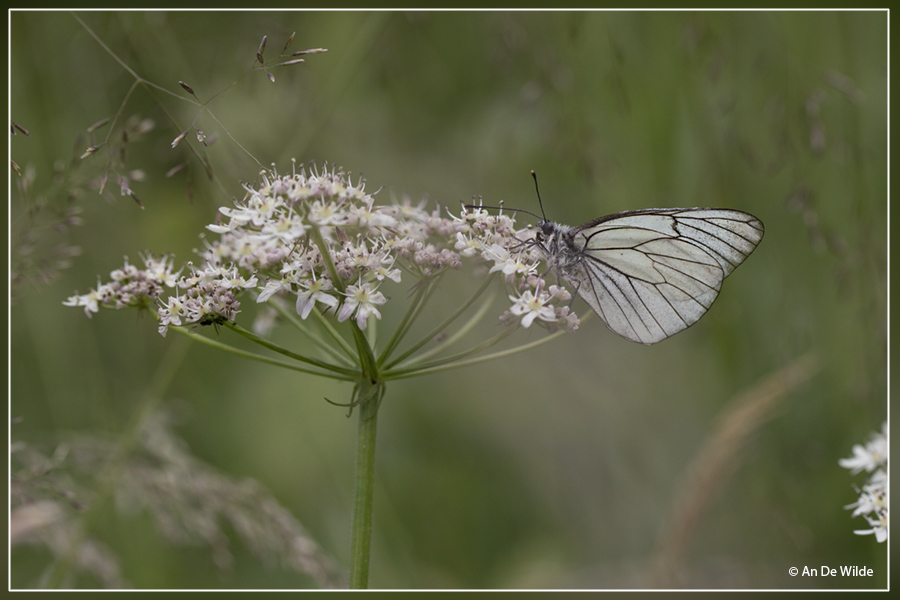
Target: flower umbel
873,502
319,240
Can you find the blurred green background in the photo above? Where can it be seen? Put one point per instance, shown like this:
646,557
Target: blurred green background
558,467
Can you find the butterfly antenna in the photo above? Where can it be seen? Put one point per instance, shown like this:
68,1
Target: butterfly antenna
541,204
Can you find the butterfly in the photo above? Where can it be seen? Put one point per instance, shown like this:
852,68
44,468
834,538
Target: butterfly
650,273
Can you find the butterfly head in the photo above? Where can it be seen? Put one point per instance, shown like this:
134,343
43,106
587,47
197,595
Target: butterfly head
550,232
545,229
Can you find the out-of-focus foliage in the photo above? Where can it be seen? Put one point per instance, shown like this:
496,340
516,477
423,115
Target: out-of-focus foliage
560,467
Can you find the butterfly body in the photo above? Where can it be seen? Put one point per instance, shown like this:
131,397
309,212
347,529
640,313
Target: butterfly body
650,273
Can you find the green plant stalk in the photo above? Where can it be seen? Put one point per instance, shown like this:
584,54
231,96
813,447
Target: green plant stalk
456,361
434,332
412,312
459,360
275,347
451,339
257,357
369,395
291,317
416,367
329,328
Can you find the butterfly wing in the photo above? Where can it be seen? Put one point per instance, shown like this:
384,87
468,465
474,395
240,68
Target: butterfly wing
652,273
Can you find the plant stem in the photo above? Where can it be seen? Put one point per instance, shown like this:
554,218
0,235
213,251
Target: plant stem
291,317
275,347
423,291
369,396
434,332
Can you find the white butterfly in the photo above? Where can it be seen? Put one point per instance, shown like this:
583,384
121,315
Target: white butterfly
654,272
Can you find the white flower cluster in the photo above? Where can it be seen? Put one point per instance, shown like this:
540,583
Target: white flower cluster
873,502
208,296
317,238
129,287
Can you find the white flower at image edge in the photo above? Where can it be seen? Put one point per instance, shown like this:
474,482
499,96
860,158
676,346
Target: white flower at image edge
868,457
361,300
872,503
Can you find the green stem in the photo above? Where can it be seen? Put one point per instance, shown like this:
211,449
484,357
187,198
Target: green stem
258,357
328,327
275,347
345,357
319,241
417,366
451,339
412,312
369,395
363,349
434,332
456,361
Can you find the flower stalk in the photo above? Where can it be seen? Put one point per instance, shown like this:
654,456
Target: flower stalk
369,399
